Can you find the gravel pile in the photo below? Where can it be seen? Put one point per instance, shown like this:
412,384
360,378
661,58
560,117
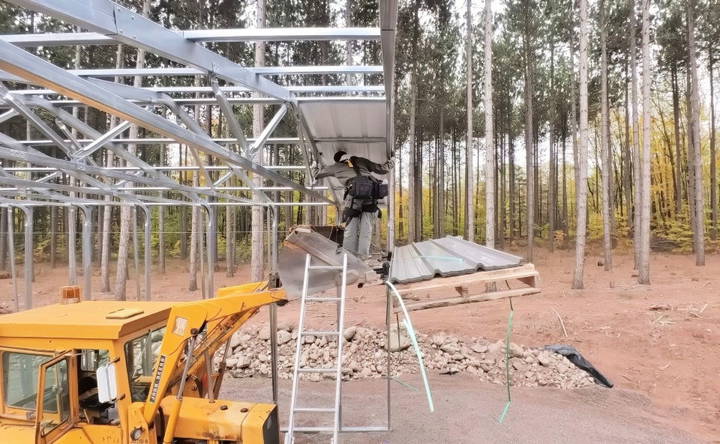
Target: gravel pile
365,357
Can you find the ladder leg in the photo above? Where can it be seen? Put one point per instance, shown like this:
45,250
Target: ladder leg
289,438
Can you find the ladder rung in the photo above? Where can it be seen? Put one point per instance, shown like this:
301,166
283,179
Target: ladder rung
322,299
308,429
325,267
320,333
317,370
315,409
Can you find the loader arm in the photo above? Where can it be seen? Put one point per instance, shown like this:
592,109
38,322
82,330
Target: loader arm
218,318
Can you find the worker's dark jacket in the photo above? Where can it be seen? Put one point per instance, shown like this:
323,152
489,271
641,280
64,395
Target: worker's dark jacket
346,170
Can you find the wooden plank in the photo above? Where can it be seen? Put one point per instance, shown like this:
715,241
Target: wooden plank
525,273
448,302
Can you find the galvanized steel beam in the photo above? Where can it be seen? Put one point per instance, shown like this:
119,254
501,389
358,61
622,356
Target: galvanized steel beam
199,35
130,28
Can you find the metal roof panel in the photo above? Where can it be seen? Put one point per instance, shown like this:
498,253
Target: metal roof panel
449,256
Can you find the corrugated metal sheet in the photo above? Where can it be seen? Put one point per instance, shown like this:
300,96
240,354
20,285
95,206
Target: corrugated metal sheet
347,119
291,264
449,256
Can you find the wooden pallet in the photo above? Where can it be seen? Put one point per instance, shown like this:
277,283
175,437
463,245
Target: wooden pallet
475,287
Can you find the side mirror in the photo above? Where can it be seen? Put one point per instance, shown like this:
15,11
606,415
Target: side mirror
107,383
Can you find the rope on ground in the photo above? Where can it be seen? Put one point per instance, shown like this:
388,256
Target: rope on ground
507,363
413,339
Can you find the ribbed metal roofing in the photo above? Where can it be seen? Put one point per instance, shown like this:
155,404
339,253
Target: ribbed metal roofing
351,119
449,256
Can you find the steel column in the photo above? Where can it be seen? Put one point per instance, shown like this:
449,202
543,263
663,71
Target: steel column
87,250
11,255
28,255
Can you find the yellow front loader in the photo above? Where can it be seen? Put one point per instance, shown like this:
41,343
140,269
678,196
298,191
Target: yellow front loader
128,372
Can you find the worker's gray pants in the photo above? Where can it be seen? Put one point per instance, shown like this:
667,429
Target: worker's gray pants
358,234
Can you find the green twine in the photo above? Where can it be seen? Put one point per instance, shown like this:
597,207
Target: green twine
507,363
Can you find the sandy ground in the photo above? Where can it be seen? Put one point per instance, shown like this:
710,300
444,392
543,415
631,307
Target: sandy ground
667,358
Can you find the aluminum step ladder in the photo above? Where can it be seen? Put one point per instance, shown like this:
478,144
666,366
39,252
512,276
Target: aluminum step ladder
339,299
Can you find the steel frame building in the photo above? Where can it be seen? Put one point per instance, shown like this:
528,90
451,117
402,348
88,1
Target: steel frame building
36,177
355,117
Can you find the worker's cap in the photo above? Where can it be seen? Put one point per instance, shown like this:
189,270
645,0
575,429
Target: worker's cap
339,155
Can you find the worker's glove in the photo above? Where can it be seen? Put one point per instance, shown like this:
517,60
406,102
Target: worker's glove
390,164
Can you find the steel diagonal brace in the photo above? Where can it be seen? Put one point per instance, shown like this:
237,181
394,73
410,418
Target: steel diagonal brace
82,127
17,104
101,140
4,117
267,131
236,131
232,121
197,129
156,98
37,70
130,28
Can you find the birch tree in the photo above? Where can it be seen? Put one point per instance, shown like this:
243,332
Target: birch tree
469,175
107,210
644,259
489,148
256,241
581,191
699,228
604,142
121,275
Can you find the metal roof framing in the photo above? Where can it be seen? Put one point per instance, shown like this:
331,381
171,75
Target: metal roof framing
110,23
61,167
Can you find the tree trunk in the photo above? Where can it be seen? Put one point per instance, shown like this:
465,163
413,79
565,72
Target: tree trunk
469,173
53,238
194,240
690,156
439,179
4,236
413,206
256,260
636,136
581,185
489,149
697,151
125,212
627,153
573,125
529,139
511,176
678,149
644,264
713,154
230,240
605,144
552,201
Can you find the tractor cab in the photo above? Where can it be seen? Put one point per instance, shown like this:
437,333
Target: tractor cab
114,372
77,366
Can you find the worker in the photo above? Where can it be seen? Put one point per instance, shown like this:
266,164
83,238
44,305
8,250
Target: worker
362,191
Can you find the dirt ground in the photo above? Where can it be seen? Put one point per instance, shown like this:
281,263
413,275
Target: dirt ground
659,342
467,412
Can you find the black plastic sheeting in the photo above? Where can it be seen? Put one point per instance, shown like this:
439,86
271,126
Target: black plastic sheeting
576,358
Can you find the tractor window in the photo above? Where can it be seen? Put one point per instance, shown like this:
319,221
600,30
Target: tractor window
140,355
20,371
56,401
